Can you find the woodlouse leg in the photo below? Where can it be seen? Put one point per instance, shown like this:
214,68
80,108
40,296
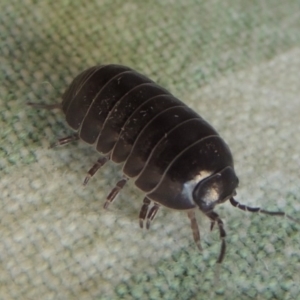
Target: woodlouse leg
215,218
195,228
259,210
62,141
144,210
151,214
44,106
99,163
65,140
115,191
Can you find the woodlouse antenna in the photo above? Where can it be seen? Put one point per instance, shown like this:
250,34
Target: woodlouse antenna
259,210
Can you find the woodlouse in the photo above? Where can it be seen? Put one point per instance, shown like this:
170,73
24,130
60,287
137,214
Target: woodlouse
176,158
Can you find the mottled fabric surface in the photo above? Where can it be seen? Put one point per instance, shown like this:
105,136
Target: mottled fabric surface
237,63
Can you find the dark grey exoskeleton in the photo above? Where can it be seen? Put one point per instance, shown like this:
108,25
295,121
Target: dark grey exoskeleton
174,156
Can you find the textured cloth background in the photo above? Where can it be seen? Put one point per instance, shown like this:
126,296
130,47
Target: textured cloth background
235,62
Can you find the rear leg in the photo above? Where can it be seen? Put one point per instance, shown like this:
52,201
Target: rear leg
92,171
65,140
144,210
115,191
151,214
61,141
147,215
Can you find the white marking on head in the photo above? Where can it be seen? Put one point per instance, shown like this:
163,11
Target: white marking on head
188,187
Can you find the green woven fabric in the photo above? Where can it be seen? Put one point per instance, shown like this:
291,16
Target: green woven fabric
237,63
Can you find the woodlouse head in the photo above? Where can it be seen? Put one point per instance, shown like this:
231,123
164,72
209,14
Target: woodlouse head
215,189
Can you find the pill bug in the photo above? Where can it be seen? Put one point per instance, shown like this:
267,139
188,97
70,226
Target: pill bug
174,156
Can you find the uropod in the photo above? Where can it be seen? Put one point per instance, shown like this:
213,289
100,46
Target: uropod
174,156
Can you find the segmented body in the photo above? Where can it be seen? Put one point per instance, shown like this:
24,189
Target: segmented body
174,156
164,145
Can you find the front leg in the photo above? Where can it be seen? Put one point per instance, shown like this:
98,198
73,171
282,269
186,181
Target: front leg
195,228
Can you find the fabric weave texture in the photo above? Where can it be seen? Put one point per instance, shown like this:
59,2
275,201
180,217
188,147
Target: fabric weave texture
236,63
